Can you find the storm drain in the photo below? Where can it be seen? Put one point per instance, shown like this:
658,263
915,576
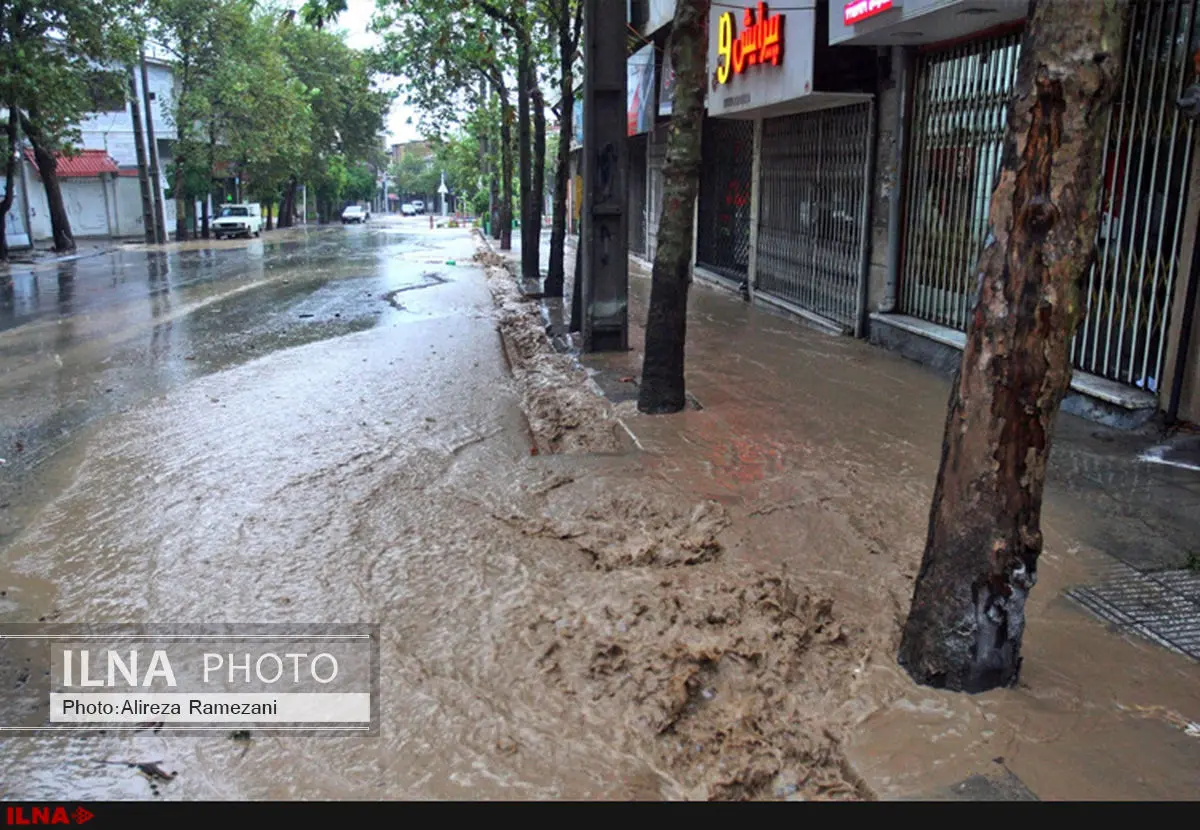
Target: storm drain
1160,606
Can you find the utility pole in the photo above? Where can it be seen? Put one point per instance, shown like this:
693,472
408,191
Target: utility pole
160,219
605,296
143,174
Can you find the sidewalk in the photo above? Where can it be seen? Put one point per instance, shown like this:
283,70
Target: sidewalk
825,451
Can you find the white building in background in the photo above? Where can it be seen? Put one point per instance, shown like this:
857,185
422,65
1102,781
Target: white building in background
100,185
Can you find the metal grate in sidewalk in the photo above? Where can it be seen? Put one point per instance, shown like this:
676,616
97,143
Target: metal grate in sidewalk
1160,606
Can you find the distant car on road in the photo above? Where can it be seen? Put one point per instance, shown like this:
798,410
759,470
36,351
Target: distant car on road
418,206
408,209
238,220
355,214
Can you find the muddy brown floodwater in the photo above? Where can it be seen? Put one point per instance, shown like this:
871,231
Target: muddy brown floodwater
575,601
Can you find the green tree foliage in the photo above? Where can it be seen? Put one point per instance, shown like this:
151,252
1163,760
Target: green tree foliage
348,111
55,56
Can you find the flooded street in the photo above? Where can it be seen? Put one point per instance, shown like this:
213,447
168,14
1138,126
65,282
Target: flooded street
326,426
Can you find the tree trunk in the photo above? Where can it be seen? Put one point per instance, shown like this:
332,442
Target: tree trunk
967,619
525,156
538,189
556,275
204,217
269,206
212,163
10,179
662,387
181,203
47,164
287,208
506,171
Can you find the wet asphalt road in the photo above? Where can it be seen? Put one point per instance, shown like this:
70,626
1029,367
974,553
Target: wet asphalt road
84,339
318,427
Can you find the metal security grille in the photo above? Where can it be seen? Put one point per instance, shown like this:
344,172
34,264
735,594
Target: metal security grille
637,194
811,210
723,228
960,101
1148,155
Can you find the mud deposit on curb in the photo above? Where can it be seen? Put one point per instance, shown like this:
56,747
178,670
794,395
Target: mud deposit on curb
565,413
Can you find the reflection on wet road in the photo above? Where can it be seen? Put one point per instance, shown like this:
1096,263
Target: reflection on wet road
348,477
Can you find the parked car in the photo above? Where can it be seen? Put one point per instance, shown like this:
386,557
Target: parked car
408,209
355,214
238,220
418,206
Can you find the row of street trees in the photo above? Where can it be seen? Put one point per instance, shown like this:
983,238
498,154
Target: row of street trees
481,73
965,627
261,93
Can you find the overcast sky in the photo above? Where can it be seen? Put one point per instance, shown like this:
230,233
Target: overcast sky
355,21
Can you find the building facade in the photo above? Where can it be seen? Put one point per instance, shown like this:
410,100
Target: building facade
99,179
849,153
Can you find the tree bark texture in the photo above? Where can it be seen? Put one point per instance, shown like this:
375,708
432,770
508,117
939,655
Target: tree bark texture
47,165
965,627
555,275
569,27
662,386
538,188
10,179
506,172
287,208
525,154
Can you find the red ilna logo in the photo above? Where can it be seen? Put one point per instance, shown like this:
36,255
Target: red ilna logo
47,815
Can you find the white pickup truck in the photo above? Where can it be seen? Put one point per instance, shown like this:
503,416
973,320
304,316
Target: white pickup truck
238,220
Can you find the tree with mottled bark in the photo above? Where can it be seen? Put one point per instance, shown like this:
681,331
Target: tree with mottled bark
965,627
662,385
566,17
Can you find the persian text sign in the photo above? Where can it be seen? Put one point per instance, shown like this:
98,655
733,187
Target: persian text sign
319,679
760,42
860,10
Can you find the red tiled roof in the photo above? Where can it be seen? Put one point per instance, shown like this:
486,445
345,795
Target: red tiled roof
87,164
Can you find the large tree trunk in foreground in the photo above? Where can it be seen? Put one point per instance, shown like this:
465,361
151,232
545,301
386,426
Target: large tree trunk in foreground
662,388
967,618
47,164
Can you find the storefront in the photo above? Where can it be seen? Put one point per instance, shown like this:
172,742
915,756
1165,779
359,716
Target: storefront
786,163
964,58
641,96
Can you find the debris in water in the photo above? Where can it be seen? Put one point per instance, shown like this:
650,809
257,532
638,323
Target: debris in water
450,262
240,734
304,315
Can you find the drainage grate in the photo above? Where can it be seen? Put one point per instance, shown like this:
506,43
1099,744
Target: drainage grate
1161,606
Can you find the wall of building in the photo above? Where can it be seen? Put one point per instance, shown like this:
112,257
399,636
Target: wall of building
113,131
